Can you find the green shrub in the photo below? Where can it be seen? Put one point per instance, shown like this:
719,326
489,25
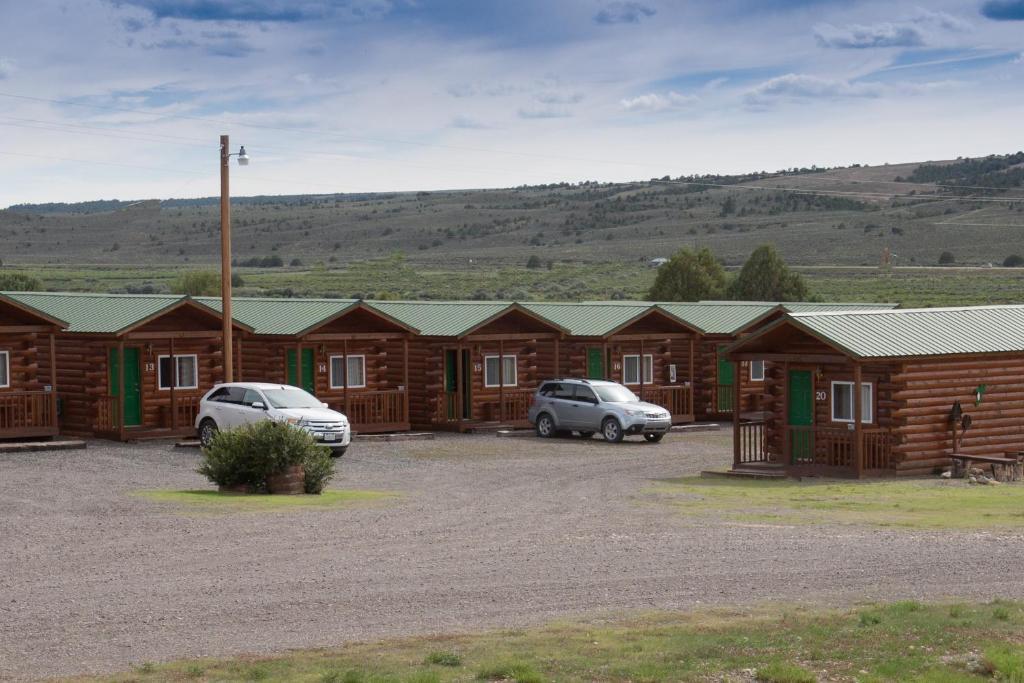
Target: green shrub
444,659
251,453
783,672
1006,662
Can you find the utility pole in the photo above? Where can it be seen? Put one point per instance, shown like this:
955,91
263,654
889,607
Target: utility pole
225,259
225,251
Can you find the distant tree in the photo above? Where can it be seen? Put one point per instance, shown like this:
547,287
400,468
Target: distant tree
766,277
1013,261
689,276
534,262
19,282
197,283
295,263
946,258
237,280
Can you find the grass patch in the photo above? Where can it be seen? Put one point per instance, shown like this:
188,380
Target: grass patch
217,501
919,504
906,641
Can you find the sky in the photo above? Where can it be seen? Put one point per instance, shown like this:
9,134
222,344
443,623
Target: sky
127,98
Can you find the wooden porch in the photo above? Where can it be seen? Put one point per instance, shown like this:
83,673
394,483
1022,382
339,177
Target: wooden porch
26,414
374,412
815,451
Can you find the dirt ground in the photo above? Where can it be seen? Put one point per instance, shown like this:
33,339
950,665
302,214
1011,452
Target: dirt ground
485,532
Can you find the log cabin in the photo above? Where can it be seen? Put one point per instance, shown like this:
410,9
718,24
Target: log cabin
915,372
169,346
474,364
643,347
347,353
28,376
722,323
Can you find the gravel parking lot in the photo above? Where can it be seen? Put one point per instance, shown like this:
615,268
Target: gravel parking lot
486,532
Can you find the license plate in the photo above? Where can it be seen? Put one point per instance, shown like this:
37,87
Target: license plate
328,437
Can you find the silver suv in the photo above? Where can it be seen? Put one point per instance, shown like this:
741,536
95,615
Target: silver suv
587,406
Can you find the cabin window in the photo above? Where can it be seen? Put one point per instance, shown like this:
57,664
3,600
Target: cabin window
509,378
757,371
5,369
187,376
351,367
631,369
842,402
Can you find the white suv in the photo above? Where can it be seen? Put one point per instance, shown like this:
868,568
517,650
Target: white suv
232,405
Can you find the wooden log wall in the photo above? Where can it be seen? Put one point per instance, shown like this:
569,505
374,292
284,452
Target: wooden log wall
535,362
29,360
426,379
775,402
156,402
923,395
573,357
383,366
81,381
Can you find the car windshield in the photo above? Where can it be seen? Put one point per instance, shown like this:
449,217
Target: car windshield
291,398
614,393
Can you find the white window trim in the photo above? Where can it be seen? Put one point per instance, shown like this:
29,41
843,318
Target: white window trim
174,368
869,418
7,369
344,379
501,381
647,376
752,364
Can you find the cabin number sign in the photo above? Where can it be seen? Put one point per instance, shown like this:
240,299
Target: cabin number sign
821,395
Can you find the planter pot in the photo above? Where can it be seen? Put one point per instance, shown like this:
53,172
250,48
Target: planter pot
290,481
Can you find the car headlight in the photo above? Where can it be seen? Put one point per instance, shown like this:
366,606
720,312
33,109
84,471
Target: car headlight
634,413
297,421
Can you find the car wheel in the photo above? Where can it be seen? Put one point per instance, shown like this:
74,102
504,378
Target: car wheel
586,435
612,430
654,438
338,452
545,426
207,430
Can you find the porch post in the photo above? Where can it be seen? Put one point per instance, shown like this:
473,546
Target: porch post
344,380
501,379
693,379
121,397
53,381
608,372
238,359
784,416
643,367
735,419
298,363
174,383
556,358
858,431
405,377
458,384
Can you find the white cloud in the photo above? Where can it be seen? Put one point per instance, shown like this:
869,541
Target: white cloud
857,36
544,113
943,20
803,87
658,102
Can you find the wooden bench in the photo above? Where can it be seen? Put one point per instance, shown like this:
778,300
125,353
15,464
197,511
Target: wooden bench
1008,468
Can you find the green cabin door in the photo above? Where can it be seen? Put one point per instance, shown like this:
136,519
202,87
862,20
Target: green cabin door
451,384
307,370
132,384
800,413
726,377
595,363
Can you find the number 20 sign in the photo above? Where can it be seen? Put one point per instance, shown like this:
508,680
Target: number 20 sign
820,395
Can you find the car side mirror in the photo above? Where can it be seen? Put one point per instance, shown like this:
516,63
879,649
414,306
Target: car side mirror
258,405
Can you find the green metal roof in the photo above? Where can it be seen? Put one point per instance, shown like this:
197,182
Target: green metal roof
442,318
596,319
917,332
282,316
98,313
732,317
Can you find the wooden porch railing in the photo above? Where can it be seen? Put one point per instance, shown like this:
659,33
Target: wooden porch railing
447,408
517,404
107,414
375,408
187,408
676,399
753,444
836,447
23,412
